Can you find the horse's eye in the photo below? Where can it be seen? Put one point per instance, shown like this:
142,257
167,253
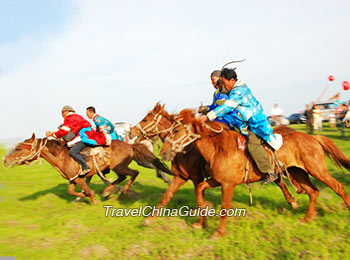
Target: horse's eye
176,131
144,120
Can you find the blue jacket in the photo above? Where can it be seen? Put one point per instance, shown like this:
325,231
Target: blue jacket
231,119
240,98
103,124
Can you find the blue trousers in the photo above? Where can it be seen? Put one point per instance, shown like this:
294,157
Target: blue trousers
75,153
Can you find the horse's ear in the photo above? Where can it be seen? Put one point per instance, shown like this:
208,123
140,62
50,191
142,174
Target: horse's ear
32,138
163,106
156,107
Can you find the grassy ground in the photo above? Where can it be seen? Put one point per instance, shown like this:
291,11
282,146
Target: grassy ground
39,221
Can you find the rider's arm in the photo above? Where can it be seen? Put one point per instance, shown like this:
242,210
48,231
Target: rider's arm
233,101
64,130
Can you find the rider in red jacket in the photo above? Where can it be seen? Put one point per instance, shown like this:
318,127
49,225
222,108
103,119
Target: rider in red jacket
74,123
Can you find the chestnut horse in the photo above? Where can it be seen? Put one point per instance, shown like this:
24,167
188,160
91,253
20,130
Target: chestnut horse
301,153
185,166
57,154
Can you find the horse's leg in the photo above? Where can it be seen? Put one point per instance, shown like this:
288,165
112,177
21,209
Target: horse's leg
332,183
201,202
227,193
88,180
303,179
162,175
112,187
71,190
82,184
133,174
174,186
291,201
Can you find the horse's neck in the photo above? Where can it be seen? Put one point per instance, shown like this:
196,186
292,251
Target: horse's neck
57,161
206,147
164,124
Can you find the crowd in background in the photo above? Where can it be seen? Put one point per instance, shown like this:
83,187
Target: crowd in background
315,116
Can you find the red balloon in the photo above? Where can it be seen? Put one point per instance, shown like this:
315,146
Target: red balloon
346,85
331,78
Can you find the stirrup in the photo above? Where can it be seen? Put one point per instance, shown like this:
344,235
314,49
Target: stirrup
84,172
270,177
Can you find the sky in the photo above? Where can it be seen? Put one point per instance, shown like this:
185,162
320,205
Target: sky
124,56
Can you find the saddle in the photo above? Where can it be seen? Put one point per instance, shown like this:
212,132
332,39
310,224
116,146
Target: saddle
98,153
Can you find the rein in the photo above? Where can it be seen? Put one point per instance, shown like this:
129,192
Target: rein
152,128
33,152
179,145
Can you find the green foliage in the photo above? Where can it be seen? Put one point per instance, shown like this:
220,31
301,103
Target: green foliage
38,220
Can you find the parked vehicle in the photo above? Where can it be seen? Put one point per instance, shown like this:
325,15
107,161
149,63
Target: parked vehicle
297,118
325,107
284,121
122,129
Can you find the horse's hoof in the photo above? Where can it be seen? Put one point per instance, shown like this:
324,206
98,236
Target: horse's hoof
198,225
295,205
217,234
94,202
106,194
77,199
305,220
147,222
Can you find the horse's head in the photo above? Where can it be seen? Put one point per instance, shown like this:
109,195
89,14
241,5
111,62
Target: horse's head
148,127
24,153
181,135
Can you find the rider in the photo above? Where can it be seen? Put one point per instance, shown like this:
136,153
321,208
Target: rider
102,124
254,121
232,119
219,95
74,123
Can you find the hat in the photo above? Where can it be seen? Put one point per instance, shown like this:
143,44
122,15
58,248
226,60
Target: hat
215,73
68,108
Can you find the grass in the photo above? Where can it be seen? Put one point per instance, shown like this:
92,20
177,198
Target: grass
38,220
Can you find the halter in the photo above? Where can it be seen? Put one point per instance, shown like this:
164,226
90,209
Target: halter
33,152
179,145
153,125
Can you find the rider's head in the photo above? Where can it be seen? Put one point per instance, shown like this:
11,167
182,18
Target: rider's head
215,76
67,109
228,78
90,112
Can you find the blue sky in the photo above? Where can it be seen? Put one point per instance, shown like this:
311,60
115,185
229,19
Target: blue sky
122,57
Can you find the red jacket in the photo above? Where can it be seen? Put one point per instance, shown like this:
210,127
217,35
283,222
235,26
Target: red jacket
72,122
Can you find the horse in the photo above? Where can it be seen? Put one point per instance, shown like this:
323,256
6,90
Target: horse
57,154
302,155
187,165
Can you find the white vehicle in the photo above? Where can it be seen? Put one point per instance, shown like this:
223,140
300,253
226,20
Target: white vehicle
122,128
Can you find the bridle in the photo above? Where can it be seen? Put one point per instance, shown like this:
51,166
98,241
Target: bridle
179,145
34,152
151,128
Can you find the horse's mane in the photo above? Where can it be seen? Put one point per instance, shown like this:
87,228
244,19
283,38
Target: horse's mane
56,146
158,108
220,134
283,130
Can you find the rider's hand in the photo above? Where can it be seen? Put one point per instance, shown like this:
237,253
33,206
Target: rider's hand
202,109
48,133
203,118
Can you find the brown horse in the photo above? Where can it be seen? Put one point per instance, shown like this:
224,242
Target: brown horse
302,154
57,154
185,166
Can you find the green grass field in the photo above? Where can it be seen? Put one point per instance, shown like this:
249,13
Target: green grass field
38,220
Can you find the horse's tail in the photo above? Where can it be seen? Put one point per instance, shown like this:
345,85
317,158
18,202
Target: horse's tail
144,157
333,152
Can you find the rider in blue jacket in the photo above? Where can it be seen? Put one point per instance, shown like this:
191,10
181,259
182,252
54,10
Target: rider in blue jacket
254,121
